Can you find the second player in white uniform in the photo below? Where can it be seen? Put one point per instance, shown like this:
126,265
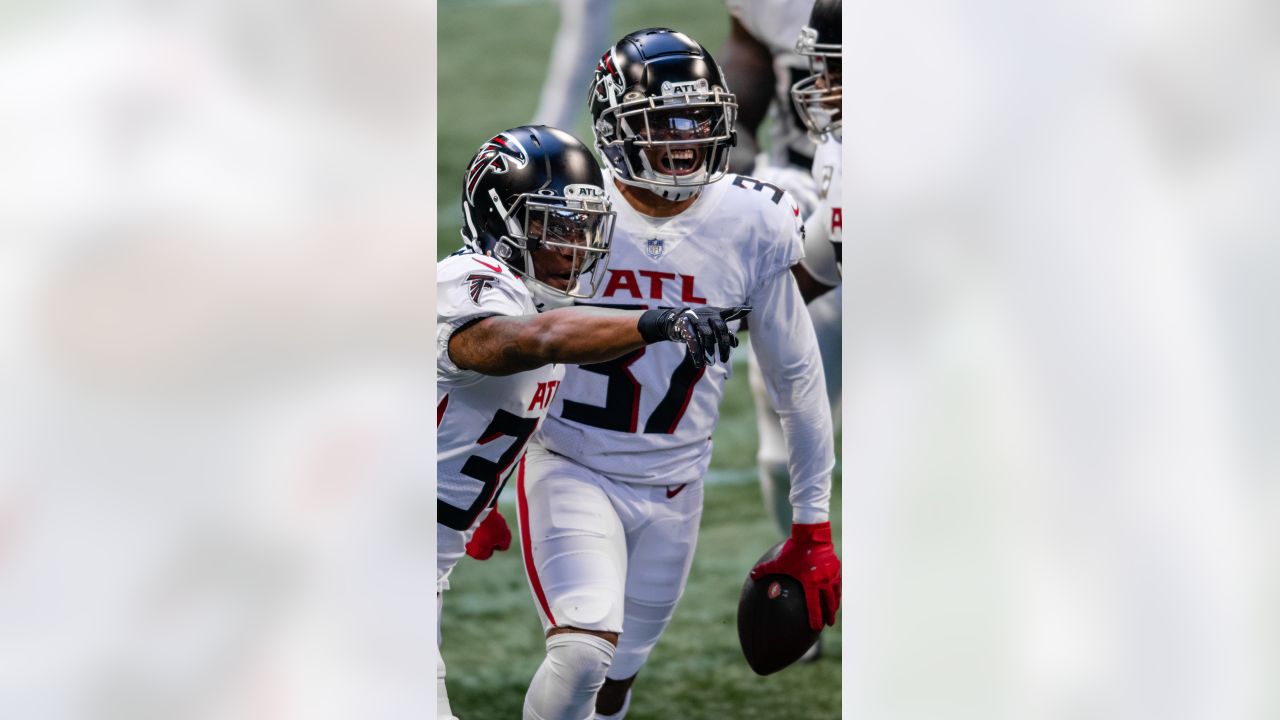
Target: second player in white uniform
764,63
817,99
761,46
612,493
824,228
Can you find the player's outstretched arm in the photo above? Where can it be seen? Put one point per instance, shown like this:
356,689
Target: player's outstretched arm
504,345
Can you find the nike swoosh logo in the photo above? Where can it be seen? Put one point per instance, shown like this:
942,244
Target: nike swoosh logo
672,493
495,268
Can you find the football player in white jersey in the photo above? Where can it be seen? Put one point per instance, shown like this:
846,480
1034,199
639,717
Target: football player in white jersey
611,496
538,232
764,63
760,59
817,100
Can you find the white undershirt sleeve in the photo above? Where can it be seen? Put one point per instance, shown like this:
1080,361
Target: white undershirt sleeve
784,342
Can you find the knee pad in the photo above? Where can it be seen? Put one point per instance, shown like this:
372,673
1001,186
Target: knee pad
566,683
580,654
591,608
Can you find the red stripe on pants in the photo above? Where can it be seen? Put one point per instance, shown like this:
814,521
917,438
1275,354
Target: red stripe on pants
527,546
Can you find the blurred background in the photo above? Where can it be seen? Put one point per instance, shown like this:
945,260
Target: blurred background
1060,339
215,451
1061,408
494,57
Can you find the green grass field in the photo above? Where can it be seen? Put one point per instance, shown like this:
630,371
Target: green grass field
492,61
493,641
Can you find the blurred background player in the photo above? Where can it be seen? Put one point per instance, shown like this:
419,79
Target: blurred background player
760,58
817,100
535,207
762,64
611,498
585,29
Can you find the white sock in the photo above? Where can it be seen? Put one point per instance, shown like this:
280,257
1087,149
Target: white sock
443,711
565,686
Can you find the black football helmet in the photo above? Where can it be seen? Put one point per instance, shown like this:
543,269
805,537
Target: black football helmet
817,97
533,199
662,114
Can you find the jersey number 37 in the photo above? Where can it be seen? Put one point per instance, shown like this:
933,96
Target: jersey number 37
621,410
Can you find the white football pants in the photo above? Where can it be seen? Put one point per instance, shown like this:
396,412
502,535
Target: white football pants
605,555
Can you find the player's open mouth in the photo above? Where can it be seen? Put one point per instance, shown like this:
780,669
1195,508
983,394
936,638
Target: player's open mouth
679,161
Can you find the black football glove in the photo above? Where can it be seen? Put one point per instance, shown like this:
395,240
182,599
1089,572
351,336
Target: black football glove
702,330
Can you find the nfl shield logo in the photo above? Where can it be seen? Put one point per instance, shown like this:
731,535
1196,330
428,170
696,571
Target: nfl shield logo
653,248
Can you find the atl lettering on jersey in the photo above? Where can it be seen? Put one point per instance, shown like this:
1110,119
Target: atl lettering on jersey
648,284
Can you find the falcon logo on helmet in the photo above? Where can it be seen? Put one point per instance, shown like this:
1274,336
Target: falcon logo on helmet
498,155
609,82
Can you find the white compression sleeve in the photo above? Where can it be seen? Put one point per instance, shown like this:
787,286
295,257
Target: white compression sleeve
783,339
565,685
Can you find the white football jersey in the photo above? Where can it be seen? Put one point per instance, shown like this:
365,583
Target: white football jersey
482,421
777,24
824,229
647,417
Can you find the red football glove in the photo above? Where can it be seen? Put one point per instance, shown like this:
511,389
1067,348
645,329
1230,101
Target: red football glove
492,534
810,558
